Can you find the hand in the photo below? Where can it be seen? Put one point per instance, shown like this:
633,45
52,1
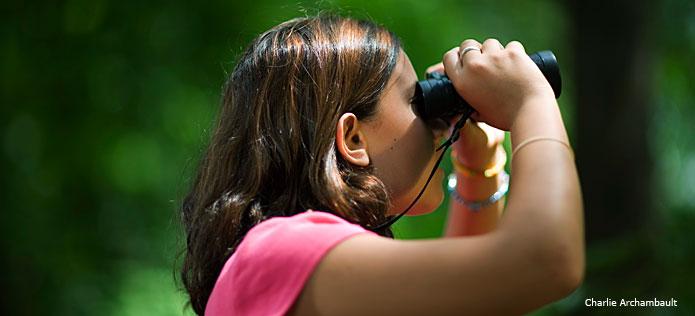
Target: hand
478,142
496,81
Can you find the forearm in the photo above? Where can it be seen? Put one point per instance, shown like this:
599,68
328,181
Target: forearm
544,207
463,221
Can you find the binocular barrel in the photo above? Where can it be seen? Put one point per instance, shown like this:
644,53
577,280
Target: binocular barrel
435,97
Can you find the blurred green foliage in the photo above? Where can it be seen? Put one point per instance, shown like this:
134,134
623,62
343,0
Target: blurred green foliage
106,106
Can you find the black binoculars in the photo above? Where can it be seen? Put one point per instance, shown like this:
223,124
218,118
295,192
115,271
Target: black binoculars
436,98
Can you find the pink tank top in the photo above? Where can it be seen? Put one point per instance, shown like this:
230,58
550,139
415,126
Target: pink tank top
268,270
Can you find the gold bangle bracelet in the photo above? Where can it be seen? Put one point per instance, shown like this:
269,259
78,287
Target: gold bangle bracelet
486,173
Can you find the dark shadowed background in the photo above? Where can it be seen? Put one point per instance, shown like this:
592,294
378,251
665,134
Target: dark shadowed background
106,106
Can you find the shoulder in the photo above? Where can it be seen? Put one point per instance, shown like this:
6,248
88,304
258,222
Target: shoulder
293,239
304,225
274,260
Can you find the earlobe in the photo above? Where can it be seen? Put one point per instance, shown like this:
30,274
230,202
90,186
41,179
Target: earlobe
350,140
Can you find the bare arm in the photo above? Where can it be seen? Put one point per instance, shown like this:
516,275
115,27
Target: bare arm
462,221
535,256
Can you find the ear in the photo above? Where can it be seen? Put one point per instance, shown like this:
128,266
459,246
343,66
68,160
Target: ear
351,141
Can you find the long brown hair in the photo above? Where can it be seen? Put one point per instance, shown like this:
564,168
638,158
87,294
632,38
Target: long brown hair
273,150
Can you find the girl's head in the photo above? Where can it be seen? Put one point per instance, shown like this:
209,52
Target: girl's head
316,115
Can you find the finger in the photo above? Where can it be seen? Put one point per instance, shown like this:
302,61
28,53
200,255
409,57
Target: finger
451,62
470,43
515,45
465,48
492,45
435,68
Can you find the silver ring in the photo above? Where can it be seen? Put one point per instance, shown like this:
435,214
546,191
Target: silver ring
468,49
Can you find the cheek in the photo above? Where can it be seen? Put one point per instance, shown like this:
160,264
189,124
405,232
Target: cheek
404,157
417,148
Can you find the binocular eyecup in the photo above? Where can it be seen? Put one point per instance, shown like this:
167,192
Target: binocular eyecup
436,97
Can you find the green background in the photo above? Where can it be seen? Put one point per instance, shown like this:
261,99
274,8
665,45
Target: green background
106,106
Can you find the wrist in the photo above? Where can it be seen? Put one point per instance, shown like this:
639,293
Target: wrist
487,168
477,188
474,193
533,108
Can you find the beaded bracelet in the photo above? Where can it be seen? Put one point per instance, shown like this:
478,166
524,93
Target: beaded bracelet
475,206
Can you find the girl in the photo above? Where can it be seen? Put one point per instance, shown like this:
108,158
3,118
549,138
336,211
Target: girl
318,144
